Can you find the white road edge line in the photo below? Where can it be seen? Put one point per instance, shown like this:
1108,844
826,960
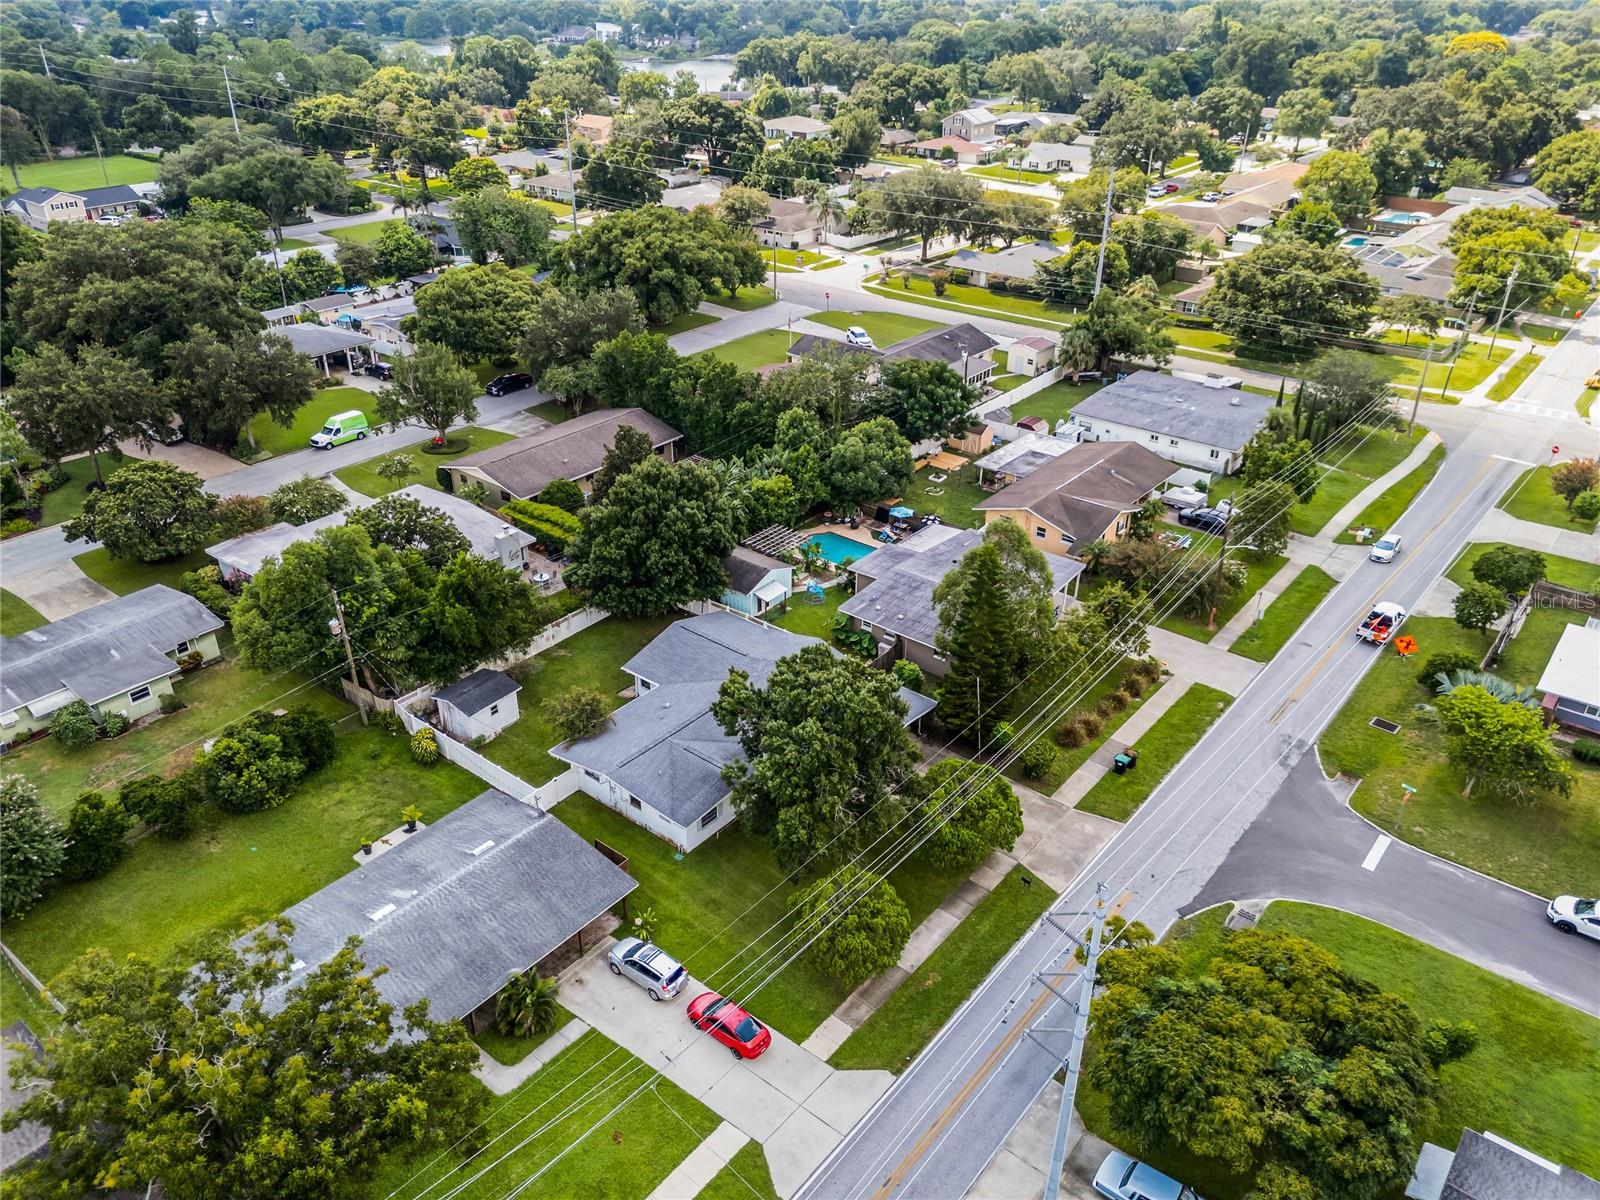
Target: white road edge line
1370,863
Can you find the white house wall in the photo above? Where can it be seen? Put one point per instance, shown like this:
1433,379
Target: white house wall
1188,453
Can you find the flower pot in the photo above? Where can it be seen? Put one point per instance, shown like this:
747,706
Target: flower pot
411,826
366,848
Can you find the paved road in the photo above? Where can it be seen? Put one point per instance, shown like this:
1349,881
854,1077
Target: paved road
934,1132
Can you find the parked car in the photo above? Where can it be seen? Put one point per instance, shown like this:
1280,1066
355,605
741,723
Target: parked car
1171,187
166,435
857,336
1385,548
1211,197
1183,497
1381,623
111,219
1124,1178
341,428
1572,914
651,967
730,1025
1207,520
379,370
1155,190
502,384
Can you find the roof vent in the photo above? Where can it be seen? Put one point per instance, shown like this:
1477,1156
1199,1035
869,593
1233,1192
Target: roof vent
379,914
1234,403
479,849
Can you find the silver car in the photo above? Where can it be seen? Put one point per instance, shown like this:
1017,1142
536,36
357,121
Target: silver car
1385,548
651,967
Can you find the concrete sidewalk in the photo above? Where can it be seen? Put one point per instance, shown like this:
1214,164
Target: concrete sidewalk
1498,525
501,1079
1346,516
702,1165
1130,731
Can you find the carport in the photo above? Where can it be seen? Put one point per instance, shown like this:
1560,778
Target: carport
328,348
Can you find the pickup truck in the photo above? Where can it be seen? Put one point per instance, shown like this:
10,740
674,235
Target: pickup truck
1381,623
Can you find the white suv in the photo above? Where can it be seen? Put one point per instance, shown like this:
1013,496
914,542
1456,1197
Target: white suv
651,967
1572,914
857,336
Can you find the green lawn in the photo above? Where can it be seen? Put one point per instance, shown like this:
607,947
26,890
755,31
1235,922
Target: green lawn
953,499
1531,498
1527,654
755,349
1586,401
684,322
813,620
17,615
1007,383
294,244
1284,615
746,1177
966,298
748,300
1472,367
273,438
1548,846
511,1050
124,575
1012,174
87,171
1054,402
1545,335
364,477
235,870
1401,337
1385,510
557,208
1504,387
66,501
1257,572
559,1128
1568,572
804,260
1174,734
367,231
214,696
891,1037
883,327
19,1002
1068,761
593,659
719,943
1585,239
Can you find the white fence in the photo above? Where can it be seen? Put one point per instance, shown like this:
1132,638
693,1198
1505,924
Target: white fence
468,759
1022,391
550,635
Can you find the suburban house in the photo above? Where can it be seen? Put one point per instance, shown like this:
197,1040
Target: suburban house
560,185
479,705
37,207
1006,124
1019,262
960,149
1089,492
1031,355
575,35
970,124
329,349
791,128
1056,156
1191,301
964,348
789,225
895,138
1486,1166
1271,186
1190,423
659,763
594,127
523,467
117,657
284,314
1570,685
492,889
894,585
696,195
241,558
607,31
756,582
1020,457
1525,197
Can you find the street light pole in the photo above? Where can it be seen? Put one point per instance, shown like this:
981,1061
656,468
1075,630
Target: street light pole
1499,321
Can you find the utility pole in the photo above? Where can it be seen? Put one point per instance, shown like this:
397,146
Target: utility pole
1072,1060
101,157
566,119
1416,400
1105,228
232,111
46,62
338,627
1504,300
1466,337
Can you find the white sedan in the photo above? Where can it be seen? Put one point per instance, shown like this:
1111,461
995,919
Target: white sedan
857,336
1572,914
1385,548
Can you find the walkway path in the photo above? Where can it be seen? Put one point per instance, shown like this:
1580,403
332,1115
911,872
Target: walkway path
501,1078
704,1161
1498,525
1347,515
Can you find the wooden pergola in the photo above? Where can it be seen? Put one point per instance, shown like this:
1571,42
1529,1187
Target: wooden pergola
775,540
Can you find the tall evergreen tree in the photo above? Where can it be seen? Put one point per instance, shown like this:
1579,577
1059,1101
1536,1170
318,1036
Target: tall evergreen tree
974,634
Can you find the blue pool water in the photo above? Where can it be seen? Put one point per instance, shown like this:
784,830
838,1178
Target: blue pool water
1355,241
836,549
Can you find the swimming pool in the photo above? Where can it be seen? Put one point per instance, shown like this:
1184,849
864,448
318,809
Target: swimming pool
1355,241
836,549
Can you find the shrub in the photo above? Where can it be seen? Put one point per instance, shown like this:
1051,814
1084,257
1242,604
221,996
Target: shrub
15,526
1147,669
527,1006
1111,703
1127,695
1091,725
960,276
1134,687
1586,505
553,526
170,703
305,499
138,796
940,281
115,724
248,771
1069,734
424,748
1002,735
191,661
1444,663
858,922
206,586
909,675
307,735
563,494
32,847
1586,750
578,713
388,722
73,726
97,835
1037,760
241,514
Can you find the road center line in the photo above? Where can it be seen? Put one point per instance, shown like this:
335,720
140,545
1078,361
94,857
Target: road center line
1370,863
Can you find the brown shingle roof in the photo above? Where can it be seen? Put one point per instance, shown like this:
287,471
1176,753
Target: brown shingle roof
572,450
1084,490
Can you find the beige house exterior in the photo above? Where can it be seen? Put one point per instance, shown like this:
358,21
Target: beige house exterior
1090,492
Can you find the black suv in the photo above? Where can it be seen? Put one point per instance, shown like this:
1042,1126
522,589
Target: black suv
1207,520
501,384
379,370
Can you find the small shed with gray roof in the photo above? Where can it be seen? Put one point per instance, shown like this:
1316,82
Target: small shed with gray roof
659,762
1183,420
478,706
756,581
487,891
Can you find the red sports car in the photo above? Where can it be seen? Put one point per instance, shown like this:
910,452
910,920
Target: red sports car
730,1025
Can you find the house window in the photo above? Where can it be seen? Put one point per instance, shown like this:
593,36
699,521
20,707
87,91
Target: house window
494,710
866,627
588,774
1216,454
1122,525
711,816
1155,437
504,495
1038,531
140,693
1172,441
634,802
183,648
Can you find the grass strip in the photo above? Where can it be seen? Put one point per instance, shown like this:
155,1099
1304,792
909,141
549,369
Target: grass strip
1173,735
1284,615
746,1177
1505,387
1386,509
17,615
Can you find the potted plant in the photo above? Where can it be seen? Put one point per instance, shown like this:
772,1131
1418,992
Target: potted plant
366,846
411,814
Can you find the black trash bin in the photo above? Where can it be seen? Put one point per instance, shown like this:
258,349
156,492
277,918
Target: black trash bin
1121,763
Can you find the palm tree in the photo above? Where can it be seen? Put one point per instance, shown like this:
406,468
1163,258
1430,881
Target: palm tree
1094,555
527,1005
828,207
1502,690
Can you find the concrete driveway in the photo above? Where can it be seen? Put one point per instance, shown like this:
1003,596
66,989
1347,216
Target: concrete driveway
204,462
789,1100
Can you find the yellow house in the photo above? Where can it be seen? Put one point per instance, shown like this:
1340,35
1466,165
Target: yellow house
1089,492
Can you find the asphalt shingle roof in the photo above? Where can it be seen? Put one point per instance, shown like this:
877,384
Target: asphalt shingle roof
746,568
119,193
572,450
477,691
1180,408
488,889
1082,491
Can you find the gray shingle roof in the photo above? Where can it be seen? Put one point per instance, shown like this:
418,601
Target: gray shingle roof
571,450
1180,408
316,340
119,193
665,747
105,650
34,195
486,890
477,691
1489,1168
945,344
1082,491
746,568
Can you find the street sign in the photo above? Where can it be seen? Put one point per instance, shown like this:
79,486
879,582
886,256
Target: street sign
1405,645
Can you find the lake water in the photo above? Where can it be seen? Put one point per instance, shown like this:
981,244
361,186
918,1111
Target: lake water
712,74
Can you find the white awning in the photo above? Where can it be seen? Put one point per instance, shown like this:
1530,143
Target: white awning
771,591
